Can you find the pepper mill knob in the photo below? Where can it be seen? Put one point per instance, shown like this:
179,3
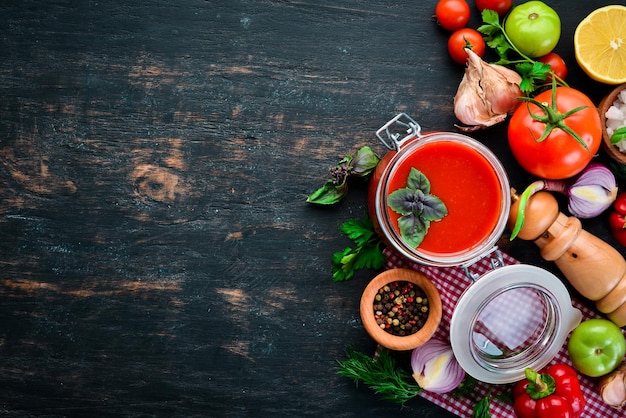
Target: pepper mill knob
593,267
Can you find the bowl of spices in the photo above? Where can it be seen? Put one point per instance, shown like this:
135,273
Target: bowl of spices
401,309
613,116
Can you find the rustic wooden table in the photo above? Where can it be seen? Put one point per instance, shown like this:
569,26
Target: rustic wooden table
157,255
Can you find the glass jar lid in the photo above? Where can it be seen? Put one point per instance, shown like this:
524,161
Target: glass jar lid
512,318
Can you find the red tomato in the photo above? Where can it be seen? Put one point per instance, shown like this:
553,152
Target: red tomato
501,7
452,14
557,64
465,38
559,155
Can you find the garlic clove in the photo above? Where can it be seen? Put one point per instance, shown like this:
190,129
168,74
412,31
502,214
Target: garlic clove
613,387
486,95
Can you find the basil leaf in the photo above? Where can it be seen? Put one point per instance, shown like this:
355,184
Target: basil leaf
618,135
364,162
434,209
403,201
413,229
418,181
328,194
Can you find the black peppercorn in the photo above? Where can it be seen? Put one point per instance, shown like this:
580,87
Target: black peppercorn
400,308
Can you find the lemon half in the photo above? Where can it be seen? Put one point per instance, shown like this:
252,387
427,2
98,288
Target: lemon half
600,44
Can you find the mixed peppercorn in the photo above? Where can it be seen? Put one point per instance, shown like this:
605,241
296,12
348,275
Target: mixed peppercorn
401,308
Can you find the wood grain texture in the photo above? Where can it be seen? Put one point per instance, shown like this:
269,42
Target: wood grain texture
157,256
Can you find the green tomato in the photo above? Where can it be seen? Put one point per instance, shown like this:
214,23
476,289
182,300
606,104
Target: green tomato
596,347
534,28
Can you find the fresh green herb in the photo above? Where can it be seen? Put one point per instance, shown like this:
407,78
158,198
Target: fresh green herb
381,374
385,377
367,254
481,409
336,187
466,389
533,72
618,135
417,208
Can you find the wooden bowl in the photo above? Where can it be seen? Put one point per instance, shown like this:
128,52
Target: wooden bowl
611,150
384,338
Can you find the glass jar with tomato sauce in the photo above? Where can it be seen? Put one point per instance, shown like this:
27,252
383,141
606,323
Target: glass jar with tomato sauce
463,173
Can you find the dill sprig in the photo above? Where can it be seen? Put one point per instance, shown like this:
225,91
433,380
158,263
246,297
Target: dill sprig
381,374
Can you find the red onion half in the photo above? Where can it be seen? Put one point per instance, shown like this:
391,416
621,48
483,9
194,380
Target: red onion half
435,368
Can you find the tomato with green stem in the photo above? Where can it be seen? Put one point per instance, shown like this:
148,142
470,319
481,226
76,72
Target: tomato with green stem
534,28
452,14
555,135
501,7
465,38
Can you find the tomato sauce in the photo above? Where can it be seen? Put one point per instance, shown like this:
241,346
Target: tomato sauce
466,183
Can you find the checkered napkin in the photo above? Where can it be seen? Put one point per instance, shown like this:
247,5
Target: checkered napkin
451,282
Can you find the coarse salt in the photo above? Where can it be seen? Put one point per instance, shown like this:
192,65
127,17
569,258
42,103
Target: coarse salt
616,117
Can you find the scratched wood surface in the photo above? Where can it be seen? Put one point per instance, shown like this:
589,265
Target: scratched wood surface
157,256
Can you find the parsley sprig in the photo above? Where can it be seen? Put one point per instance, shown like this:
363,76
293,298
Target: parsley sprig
367,254
535,74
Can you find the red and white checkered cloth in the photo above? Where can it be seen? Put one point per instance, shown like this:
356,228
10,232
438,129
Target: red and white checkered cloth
451,282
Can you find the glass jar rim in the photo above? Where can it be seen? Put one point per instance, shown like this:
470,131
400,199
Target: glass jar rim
560,317
485,246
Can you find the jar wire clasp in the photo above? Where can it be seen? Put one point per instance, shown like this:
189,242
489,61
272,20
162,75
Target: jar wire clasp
400,125
496,261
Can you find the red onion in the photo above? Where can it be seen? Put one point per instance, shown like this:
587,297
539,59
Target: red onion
589,194
435,368
593,192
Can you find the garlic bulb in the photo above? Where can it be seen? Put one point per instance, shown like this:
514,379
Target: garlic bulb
486,95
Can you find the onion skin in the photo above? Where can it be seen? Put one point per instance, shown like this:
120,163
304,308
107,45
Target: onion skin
435,368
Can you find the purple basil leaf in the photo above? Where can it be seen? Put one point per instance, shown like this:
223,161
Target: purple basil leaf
413,229
434,209
418,181
402,201
364,162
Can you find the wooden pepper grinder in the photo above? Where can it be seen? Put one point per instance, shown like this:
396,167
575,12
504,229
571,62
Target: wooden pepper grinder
593,267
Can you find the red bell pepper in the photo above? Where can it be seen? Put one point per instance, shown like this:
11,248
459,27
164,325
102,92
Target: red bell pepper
553,393
617,219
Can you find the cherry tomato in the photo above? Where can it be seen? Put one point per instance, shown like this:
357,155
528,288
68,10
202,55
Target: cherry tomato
559,155
557,64
452,14
465,38
501,7
534,28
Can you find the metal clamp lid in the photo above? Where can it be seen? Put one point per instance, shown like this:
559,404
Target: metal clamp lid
404,125
496,261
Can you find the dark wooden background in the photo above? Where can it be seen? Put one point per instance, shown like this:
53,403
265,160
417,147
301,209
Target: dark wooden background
157,255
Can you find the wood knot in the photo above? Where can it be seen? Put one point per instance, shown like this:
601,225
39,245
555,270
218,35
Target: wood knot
158,183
